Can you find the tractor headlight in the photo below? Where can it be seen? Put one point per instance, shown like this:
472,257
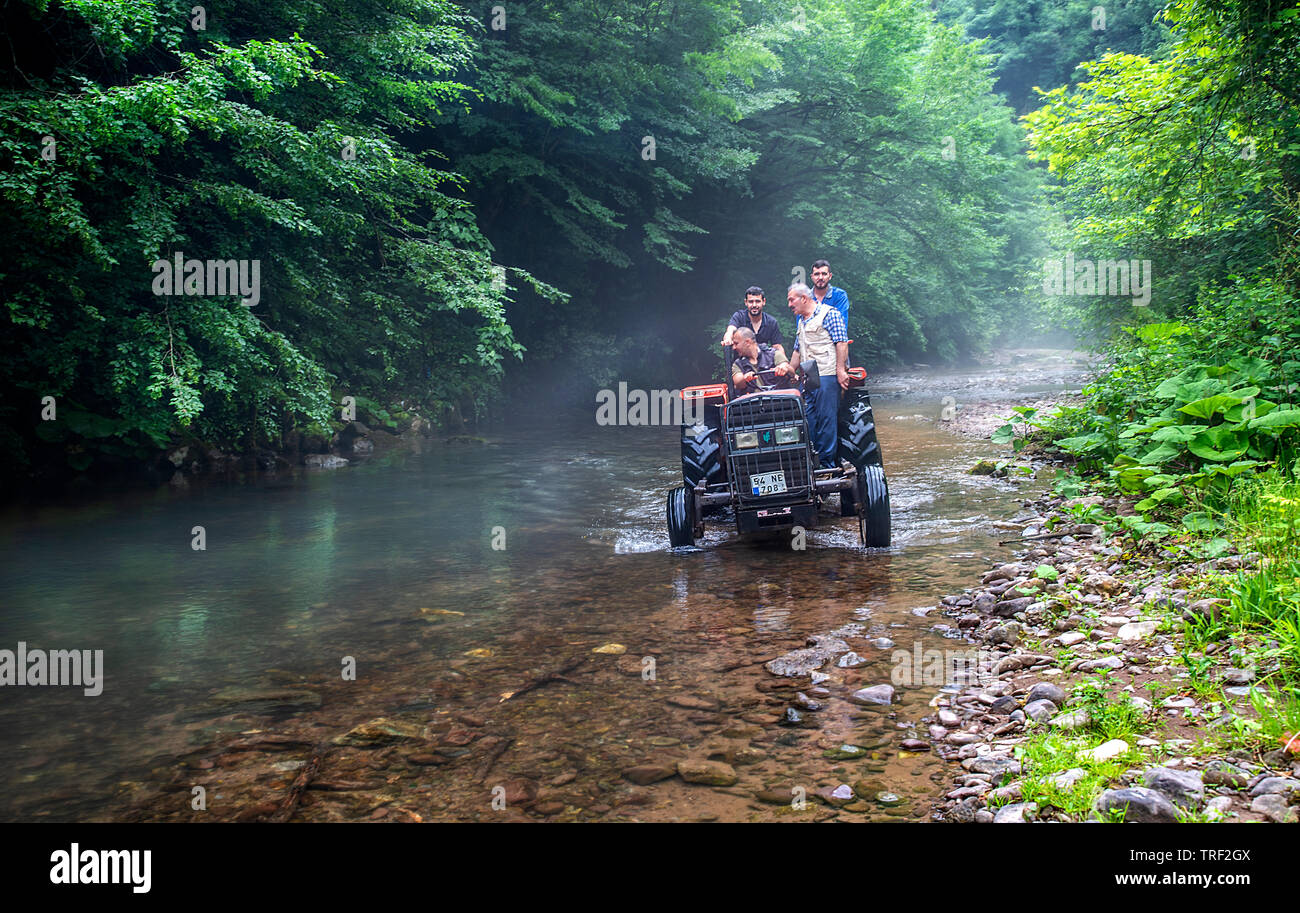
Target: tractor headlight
746,439
788,435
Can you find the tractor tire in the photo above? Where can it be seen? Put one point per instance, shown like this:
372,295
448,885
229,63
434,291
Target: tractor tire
857,431
681,517
702,456
875,512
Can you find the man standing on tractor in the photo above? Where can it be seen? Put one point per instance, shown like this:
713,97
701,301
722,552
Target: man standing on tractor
758,366
825,293
764,326
821,336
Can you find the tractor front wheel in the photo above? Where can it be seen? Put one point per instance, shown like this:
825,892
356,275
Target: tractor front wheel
681,516
874,516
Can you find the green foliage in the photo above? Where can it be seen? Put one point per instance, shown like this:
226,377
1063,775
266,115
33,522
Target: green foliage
229,143
1040,42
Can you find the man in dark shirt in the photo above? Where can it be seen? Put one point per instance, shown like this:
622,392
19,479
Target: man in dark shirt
764,326
758,367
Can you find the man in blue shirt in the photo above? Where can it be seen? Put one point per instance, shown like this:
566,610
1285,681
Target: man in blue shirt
825,293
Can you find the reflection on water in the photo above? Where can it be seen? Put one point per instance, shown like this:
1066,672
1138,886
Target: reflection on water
393,565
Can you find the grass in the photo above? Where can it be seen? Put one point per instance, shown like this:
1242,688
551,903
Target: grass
1047,753
1265,518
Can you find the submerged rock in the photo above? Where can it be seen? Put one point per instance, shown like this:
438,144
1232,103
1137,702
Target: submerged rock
876,694
808,659
706,773
267,698
382,731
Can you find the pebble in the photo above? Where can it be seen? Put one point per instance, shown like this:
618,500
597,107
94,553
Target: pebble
1072,719
851,660
1106,751
1017,813
876,694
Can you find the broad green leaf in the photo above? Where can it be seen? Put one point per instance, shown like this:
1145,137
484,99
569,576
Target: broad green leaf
1277,419
1210,405
1160,454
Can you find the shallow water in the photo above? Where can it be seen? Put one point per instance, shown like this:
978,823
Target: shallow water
392,564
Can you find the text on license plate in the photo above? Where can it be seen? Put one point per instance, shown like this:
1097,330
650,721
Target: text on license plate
767,483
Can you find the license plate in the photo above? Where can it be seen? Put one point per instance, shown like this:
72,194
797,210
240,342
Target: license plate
767,483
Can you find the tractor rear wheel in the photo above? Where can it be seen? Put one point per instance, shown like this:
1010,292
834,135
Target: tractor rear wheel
702,454
857,430
681,516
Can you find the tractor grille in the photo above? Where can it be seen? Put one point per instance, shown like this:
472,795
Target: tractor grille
764,414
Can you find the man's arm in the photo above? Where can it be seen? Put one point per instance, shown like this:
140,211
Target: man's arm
739,377
841,359
732,326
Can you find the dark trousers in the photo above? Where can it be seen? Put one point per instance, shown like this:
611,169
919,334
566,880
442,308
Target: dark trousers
823,419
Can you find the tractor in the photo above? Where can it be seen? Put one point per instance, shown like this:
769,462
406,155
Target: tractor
754,454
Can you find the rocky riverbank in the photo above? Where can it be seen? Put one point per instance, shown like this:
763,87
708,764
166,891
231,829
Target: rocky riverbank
1084,699
353,443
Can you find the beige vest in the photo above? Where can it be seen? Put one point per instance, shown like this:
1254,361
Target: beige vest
815,341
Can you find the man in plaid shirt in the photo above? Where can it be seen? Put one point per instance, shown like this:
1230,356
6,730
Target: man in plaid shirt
820,334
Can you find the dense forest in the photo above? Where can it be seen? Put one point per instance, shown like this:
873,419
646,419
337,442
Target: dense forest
446,205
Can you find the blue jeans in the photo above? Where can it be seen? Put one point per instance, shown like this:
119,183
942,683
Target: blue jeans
823,419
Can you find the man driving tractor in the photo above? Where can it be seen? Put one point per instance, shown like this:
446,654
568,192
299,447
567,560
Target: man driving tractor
758,366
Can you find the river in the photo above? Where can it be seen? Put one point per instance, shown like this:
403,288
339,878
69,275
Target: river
450,576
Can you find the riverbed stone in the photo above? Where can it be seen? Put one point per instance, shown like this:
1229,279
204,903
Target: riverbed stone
837,796
1139,804
1016,813
1182,787
845,752
1098,665
382,731
1008,607
876,694
1040,711
706,773
804,702
1072,719
1275,786
1106,751
1136,630
1223,773
804,661
645,774
1046,691
1067,778
851,660
990,765
1008,634
1274,807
